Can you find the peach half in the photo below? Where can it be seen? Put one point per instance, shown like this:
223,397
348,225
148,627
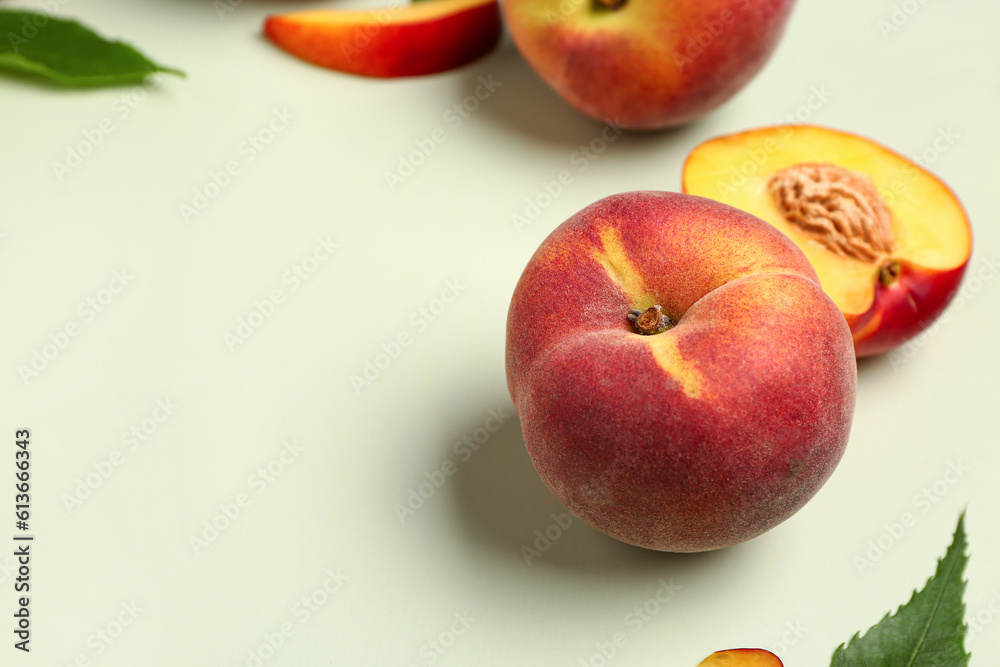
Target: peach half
889,241
741,657
402,40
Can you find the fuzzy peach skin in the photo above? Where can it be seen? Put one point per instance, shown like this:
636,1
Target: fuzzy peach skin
741,657
402,40
647,64
705,435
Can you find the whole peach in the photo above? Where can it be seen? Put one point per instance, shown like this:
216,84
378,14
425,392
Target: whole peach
682,380
646,64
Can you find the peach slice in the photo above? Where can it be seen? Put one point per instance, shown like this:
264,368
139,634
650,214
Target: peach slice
889,241
741,657
409,40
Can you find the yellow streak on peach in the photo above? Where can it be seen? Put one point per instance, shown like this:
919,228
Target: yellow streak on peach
869,328
615,262
668,357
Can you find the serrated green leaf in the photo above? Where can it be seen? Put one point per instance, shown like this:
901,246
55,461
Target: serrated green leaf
69,53
927,631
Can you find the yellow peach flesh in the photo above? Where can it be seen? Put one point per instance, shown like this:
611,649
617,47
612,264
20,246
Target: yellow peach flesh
419,13
929,225
743,657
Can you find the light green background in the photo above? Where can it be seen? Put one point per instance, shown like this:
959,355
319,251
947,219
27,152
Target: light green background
800,588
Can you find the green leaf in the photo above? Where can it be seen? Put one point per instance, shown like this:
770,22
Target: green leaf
928,631
69,53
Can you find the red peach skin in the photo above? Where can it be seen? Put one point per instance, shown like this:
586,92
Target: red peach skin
700,437
647,64
411,40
